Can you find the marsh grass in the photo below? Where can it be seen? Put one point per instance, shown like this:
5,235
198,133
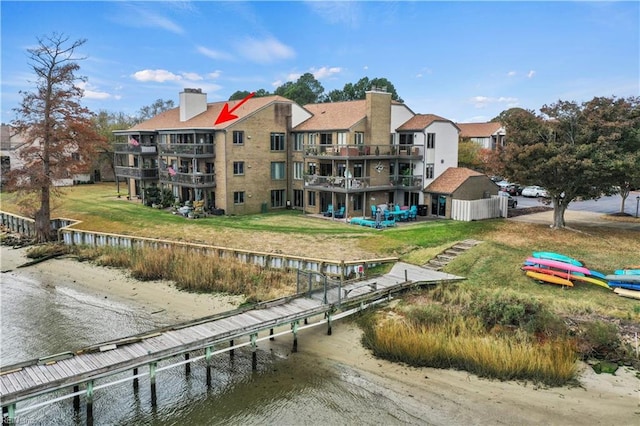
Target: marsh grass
464,343
197,272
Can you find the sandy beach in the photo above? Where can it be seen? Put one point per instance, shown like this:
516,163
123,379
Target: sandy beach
437,396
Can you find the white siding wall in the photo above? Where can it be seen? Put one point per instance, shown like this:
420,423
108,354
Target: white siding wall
400,114
445,153
298,115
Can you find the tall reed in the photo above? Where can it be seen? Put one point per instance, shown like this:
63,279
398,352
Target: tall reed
196,271
464,343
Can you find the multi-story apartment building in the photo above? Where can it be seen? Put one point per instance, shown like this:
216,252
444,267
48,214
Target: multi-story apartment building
277,154
488,135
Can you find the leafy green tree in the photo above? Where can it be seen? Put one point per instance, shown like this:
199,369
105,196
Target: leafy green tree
106,123
306,90
568,149
150,111
615,124
241,94
469,154
60,137
357,91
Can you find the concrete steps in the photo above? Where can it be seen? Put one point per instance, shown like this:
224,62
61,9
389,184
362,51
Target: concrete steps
442,259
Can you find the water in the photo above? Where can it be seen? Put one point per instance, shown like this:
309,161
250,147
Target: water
39,318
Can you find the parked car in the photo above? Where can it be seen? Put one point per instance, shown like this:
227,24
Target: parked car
534,191
512,203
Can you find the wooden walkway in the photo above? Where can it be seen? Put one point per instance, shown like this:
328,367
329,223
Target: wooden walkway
23,381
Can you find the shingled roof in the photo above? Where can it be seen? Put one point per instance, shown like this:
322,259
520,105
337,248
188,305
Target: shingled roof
420,122
333,116
450,180
170,119
478,130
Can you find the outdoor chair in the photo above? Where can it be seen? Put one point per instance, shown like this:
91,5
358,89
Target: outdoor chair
413,213
329,211
339,214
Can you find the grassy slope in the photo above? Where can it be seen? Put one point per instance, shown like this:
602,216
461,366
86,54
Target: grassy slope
492,265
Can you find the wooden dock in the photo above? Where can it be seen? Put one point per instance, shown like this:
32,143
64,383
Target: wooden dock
202,338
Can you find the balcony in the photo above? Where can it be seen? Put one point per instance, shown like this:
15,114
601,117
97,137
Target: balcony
362,184
413,152
191,180
127,148
187,149
136,172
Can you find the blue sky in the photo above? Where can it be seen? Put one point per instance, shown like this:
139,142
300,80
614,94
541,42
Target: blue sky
466,61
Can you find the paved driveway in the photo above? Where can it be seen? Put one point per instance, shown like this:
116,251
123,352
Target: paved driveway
585,213
605,205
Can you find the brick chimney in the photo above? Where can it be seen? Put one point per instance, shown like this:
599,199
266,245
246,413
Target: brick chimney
192,103
378,124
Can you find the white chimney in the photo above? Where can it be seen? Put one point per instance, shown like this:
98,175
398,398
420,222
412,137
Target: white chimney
192,103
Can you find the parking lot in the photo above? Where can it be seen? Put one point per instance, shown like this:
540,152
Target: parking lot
604,205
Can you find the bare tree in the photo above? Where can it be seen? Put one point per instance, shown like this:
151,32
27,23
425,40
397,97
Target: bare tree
59,135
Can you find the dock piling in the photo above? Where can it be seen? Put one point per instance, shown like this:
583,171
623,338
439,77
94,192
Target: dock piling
152,379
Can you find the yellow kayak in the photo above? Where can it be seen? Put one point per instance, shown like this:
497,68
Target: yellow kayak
590,280
549,278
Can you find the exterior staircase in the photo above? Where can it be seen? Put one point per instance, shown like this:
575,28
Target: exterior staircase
442,259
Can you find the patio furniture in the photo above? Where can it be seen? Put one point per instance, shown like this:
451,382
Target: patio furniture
413,213
329,211
339,214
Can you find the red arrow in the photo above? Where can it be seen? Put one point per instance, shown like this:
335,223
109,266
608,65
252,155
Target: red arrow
226,115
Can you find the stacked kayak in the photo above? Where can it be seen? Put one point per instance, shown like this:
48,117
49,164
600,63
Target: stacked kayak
555,268
628,279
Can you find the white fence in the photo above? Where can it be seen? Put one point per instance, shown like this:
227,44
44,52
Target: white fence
488,208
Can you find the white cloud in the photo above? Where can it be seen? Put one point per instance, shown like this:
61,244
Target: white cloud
531,74
325,72
293,76
159,76
214,75
89,93
366,67
277,83
337,12
511,74
484,101
192,76
213,54
264,51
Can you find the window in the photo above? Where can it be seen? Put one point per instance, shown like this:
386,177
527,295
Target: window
357,170
277,141
342,138
238,168
431,140
277,198
326,138
406,138
313,168
238,137
358,138
298,141
428,172
312,138
298,170
277,170
238,197
312,198
357,202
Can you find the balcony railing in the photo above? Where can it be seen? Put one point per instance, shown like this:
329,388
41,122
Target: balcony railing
381,151
136,172
188,179
127,148
187,149
362,183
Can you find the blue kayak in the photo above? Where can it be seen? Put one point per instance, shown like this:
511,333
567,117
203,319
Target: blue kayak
627,272
628,286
